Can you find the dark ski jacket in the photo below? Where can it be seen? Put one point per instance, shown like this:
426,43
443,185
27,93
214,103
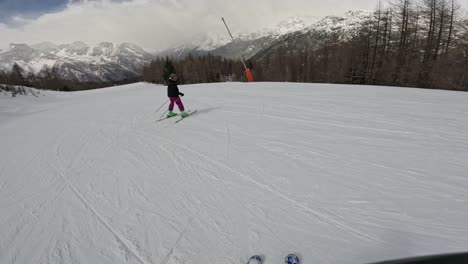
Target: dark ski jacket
172,89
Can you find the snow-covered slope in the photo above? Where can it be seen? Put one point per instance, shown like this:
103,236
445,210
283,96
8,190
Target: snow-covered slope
78,61
337,174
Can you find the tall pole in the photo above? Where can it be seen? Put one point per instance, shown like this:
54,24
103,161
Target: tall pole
230,34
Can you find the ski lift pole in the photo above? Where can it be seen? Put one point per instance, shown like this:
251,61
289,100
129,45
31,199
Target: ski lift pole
248,73
230,34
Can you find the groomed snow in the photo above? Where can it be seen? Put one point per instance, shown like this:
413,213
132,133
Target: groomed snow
334,173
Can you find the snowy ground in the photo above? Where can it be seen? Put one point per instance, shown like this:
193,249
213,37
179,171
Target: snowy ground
337,174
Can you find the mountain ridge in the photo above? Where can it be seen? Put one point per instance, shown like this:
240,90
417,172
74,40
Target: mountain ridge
105,61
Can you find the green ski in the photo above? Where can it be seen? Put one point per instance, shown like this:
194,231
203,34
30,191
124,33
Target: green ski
189,114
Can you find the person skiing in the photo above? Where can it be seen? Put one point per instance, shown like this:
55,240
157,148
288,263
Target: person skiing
173,94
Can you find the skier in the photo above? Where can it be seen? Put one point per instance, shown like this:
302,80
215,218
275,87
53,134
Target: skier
173,94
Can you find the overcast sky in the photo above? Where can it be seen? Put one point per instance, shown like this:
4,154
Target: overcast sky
152,24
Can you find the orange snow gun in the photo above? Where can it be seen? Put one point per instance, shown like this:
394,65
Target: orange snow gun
248,74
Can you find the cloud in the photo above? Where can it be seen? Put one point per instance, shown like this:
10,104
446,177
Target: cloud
158,24
150,23
11,9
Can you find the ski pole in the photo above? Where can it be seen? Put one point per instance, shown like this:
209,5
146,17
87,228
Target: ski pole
162,106
164,113
168,109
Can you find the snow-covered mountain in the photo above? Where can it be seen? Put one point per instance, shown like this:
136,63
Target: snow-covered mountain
311,37
248,45
197,45
78,61
349,21
284,27
245,44
107,61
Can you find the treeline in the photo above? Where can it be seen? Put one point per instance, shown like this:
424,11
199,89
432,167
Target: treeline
408,43
49,79
192,69
18,90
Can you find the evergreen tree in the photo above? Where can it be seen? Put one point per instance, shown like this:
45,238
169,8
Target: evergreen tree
168,69
17,75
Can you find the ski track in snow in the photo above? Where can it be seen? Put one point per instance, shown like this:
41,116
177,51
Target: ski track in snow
277,192
123,241
336,174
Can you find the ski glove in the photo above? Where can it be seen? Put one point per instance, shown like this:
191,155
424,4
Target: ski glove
181,94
